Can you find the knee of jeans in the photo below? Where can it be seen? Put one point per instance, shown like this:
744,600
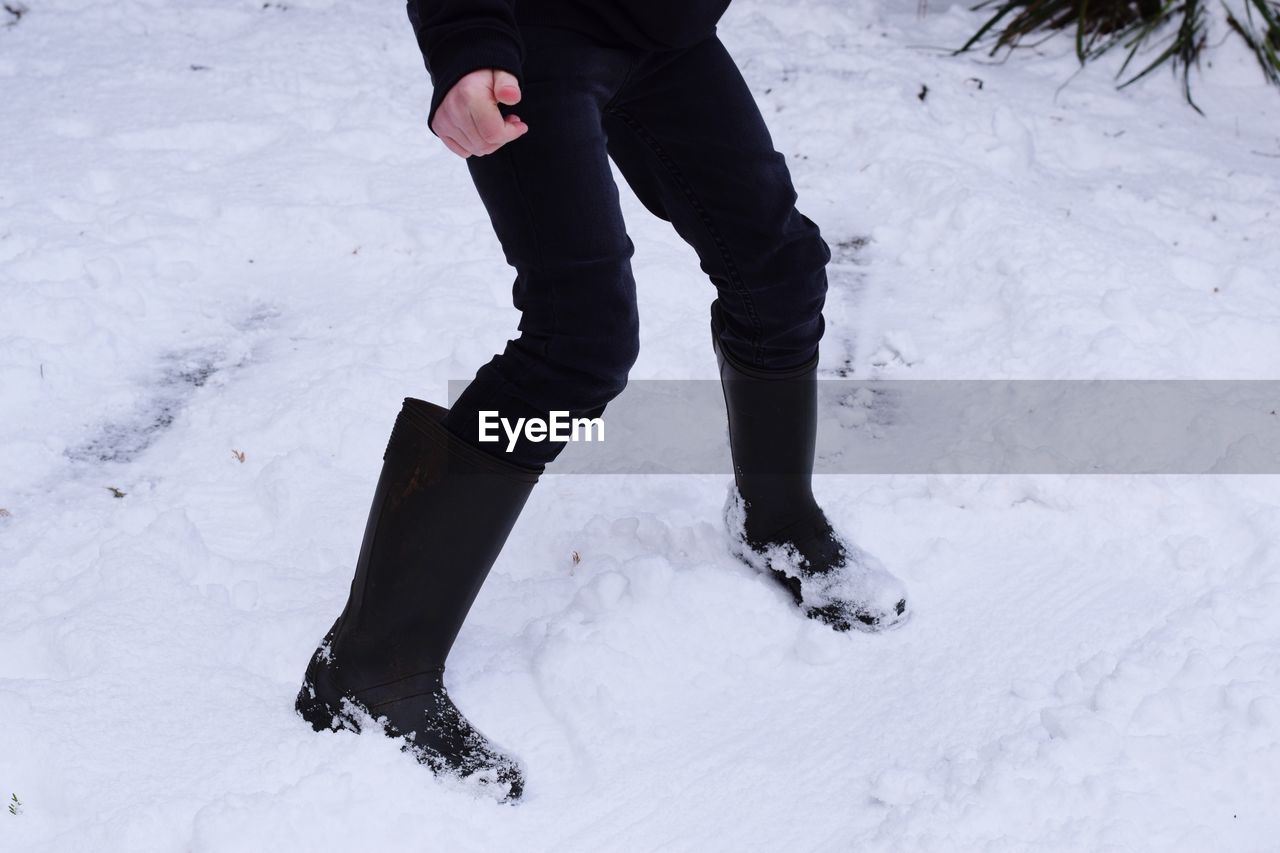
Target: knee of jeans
591,366
607,358
797,250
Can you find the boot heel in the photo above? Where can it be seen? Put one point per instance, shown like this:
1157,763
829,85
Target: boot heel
322,716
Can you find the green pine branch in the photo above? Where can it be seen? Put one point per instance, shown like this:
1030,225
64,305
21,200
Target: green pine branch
1175,31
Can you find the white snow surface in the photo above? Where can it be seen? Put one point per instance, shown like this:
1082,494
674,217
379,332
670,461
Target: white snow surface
224,226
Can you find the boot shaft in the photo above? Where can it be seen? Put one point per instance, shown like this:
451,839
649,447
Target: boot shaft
440,516
773,418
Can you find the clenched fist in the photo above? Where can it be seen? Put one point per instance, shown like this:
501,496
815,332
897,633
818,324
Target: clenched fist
468,120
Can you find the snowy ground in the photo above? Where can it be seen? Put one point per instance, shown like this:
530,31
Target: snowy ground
224,226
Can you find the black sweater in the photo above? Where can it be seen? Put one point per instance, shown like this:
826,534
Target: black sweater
461,36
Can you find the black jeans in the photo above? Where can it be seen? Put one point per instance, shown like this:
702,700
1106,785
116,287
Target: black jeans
687,135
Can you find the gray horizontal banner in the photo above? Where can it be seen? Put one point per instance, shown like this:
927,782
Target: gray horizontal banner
953,427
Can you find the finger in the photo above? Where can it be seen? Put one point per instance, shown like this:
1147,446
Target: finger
446,127
463,130
452,145
516,127
491,128
506,88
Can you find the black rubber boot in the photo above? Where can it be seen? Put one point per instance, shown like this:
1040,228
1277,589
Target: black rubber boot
775,524
440,516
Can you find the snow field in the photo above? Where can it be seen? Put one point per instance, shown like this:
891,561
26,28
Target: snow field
265,252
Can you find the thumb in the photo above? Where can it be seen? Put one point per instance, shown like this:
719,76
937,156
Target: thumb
506,89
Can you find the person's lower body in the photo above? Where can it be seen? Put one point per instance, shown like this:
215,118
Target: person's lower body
687,136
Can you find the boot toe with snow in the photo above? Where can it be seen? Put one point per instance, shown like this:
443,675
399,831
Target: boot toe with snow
417,711
830,578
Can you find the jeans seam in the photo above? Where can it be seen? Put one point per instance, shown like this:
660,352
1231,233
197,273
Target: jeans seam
735,277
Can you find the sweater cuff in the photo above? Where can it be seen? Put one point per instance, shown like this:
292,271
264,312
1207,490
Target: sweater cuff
470,50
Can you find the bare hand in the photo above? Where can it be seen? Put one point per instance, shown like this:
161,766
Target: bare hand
468,120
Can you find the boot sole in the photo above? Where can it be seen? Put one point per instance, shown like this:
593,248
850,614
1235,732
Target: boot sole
325,717
836,622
